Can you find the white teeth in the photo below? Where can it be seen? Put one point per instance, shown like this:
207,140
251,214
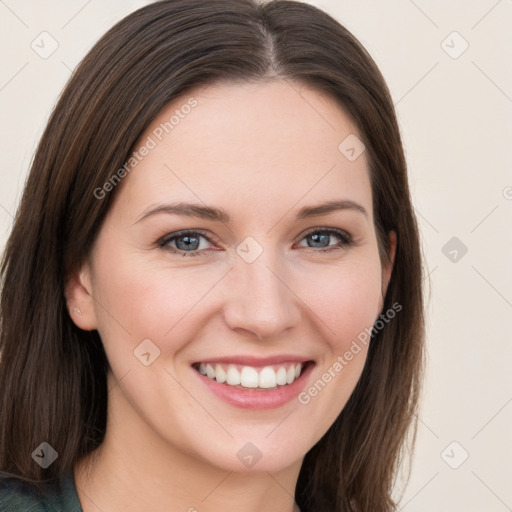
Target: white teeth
281,376
220,374
210,372
249,377
233,376
265,378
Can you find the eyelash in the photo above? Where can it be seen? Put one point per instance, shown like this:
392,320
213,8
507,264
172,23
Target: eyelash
344,238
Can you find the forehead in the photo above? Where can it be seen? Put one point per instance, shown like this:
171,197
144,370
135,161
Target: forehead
264,143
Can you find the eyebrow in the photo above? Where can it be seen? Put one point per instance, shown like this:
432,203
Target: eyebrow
329,207
218,214
189,210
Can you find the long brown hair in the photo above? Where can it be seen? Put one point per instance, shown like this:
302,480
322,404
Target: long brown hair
53,375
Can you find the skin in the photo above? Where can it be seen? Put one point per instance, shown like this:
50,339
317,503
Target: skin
261,152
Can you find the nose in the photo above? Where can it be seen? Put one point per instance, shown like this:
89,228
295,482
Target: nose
261,299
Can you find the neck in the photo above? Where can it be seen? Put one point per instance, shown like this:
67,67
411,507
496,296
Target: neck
135,469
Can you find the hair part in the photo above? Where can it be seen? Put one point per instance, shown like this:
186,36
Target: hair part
53,384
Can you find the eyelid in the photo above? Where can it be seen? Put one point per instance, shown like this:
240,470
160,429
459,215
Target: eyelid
162,242
346,240
337,231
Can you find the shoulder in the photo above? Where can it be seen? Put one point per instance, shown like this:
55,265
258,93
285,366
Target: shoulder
17,495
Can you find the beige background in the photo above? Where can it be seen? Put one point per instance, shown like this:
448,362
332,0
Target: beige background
456,119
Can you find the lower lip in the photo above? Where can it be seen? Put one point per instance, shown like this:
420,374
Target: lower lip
257,399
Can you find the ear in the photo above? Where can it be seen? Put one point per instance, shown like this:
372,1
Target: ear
79,299
387,266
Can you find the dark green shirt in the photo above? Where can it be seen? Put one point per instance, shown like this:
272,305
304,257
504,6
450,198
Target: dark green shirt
18,496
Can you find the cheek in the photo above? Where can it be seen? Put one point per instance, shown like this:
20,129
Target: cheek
137,300
346,299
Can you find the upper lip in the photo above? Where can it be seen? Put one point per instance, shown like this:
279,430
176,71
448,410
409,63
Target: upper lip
256,361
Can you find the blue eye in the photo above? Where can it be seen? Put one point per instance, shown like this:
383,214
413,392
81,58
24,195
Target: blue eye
321,239
194,243
187,243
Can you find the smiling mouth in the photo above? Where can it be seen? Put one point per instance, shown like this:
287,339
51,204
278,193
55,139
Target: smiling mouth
254,378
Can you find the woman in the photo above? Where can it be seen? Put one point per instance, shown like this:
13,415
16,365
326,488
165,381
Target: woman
212,293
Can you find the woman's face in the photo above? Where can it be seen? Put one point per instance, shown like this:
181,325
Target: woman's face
241,244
